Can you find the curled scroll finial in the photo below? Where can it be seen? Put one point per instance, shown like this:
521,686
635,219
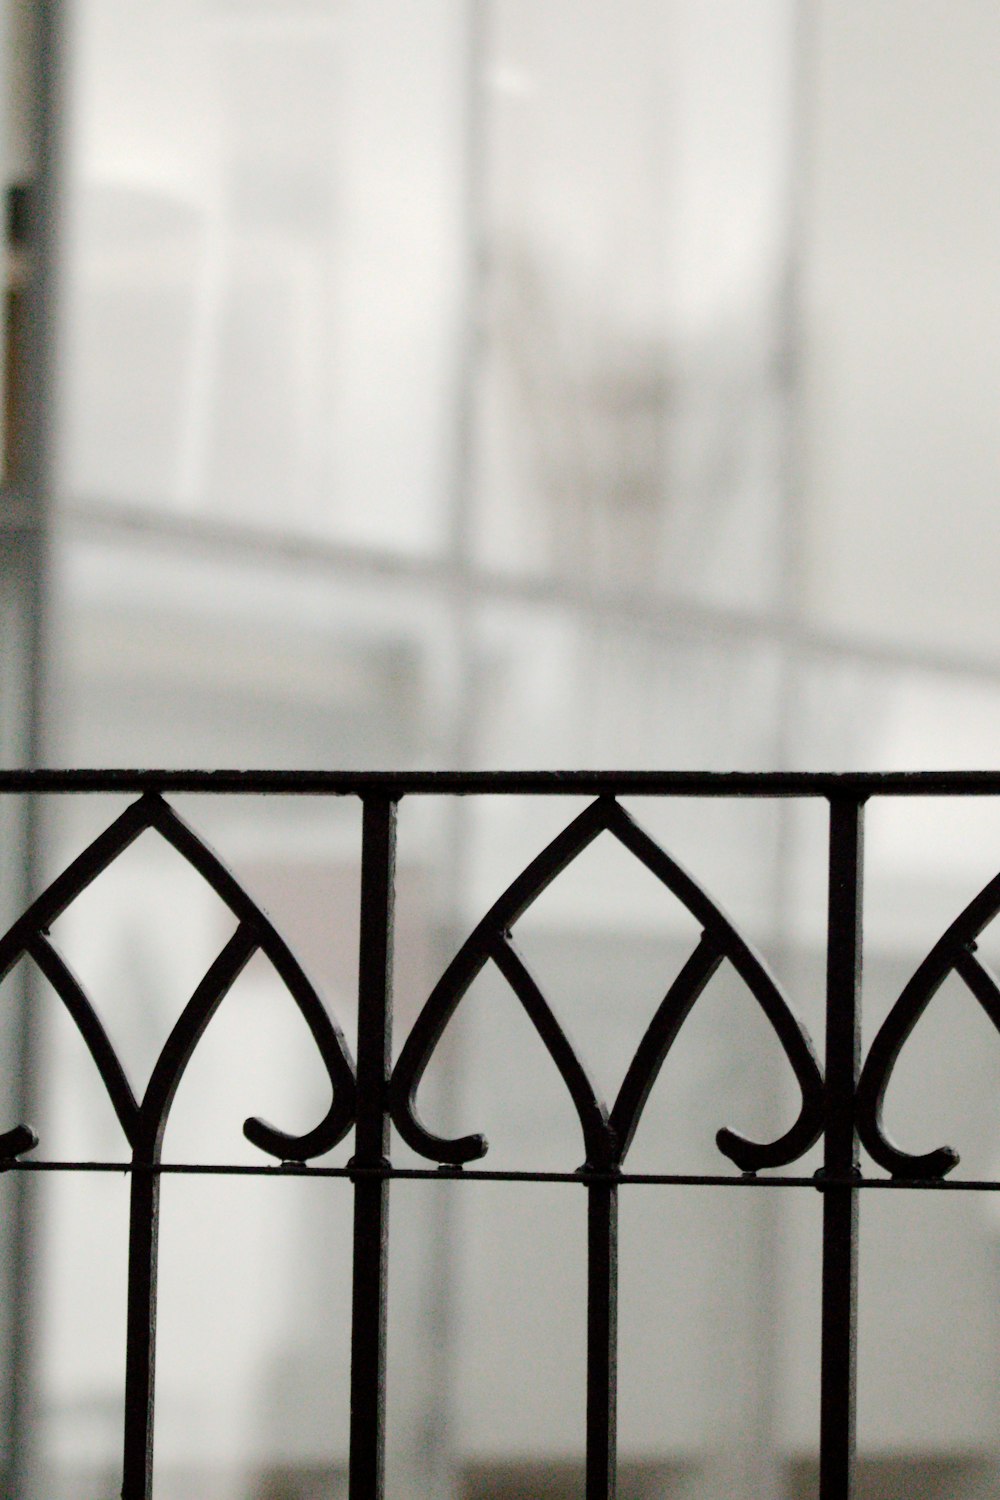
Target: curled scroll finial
143,1122
720,940
16,1142
607,1136
490,939
953,953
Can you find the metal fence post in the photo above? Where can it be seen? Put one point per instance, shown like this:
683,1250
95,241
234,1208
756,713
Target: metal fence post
371,1190
840,1160
602,1340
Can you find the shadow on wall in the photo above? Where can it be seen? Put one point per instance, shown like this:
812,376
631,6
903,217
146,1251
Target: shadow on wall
907,1479
878,1479
497,1481
565,1480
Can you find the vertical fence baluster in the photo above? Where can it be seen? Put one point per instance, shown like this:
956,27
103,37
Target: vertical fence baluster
840,1161
602,1339
140,1358
371,1193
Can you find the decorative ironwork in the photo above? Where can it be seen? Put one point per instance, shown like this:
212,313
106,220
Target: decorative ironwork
144,1123
953,953
840,1103
607,1135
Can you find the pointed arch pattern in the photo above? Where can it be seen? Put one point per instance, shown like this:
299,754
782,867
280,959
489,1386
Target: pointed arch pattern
844,1106
607,1133
144,1120
953,953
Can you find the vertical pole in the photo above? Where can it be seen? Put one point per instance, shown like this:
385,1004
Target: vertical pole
32,55
763,1464
434,1469
602,1339
371,1193
144,1218
840,1160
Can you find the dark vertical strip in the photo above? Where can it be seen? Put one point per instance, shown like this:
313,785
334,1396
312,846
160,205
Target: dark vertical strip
33,44
840,1203
371,1194
602,1339
144,1215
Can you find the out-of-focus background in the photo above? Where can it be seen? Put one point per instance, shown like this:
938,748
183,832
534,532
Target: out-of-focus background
505,383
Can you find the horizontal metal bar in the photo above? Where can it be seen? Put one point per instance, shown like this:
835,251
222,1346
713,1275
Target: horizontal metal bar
396,784
680,619
478,1174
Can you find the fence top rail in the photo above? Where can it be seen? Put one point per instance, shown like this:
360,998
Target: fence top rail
396,784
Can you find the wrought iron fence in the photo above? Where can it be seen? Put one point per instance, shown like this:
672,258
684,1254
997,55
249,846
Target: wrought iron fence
840,1098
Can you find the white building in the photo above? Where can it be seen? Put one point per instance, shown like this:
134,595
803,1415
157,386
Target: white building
547,383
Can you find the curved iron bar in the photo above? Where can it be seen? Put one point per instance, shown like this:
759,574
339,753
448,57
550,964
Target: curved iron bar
795,1042
325,1032
29,936
659,1037
467,964
77,876
22,938
597,1135
91,1028
146,1139
609,1140
954,952
187,1031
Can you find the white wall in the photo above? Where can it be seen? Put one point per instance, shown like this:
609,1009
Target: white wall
902,313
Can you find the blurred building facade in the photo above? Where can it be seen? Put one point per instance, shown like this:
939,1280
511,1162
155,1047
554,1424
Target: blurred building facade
491,383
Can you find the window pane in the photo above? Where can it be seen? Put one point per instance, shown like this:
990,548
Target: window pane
263,262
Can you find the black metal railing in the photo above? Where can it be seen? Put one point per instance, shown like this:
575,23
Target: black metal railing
840,1099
